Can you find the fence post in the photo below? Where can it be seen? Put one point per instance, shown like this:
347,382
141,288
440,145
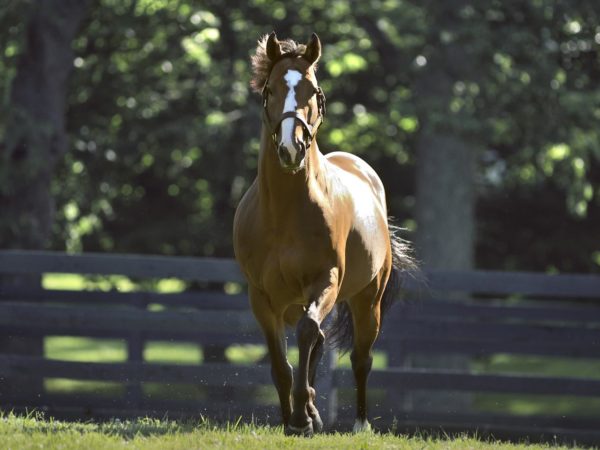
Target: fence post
30,385
397,357
135,353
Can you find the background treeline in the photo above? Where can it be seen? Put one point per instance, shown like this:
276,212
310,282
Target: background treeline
481,117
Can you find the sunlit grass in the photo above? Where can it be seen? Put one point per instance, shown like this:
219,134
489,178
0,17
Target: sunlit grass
523,404
68,386
245,354
541,366
172,352
75,282
34,431
544,365
69,348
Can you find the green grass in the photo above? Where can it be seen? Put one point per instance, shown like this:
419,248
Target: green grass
68,348
172,352
537,404
74,282
544,365
33,432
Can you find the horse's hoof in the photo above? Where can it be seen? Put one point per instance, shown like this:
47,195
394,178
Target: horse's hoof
306,430
317,422
361,426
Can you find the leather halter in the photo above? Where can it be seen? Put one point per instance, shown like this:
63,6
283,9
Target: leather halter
309,130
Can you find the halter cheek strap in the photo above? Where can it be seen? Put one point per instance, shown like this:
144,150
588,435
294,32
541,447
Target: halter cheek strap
309,130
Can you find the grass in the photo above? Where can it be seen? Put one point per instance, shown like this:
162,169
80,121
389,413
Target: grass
34,431
536,404
74,282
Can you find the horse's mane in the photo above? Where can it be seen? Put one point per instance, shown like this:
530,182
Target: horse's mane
262,65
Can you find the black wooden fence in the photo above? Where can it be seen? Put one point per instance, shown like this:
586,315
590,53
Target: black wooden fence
550,321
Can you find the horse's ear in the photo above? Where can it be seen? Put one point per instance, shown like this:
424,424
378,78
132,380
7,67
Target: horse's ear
313,49
273,47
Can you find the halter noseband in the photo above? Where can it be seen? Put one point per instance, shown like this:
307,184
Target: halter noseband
309,130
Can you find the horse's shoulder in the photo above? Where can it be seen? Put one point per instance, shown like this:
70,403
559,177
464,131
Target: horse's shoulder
244,222
247,203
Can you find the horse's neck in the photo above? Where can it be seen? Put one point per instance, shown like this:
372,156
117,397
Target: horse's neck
282,192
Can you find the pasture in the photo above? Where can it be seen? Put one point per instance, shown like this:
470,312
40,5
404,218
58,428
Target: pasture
33,431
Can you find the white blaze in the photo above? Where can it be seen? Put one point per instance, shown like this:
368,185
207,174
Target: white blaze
292,78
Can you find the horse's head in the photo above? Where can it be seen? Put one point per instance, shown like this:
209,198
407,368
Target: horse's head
293,103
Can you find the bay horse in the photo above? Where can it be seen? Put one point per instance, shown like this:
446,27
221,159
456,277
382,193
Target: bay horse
312,232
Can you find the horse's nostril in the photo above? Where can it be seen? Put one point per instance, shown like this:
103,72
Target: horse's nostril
302,148
284,155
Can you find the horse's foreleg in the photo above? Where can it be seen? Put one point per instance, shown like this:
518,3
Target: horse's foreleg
315,357
281,373
305,417
274,331
307,332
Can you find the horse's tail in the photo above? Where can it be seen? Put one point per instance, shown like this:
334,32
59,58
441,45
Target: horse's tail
403,265
340,332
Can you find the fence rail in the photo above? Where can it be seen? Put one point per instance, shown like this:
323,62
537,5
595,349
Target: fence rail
477,315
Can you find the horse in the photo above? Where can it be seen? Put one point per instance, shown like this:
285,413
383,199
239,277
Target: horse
310,233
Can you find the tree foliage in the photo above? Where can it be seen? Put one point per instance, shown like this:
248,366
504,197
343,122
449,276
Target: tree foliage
164,129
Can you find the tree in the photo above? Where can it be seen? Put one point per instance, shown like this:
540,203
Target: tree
517,84
34,142
446,154
164,130
34,134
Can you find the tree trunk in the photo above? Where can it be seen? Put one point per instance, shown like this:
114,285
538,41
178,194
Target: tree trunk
445,194
35,138
34,142
445,239
445,202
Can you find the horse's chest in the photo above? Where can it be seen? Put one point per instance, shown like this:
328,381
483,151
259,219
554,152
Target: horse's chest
292,263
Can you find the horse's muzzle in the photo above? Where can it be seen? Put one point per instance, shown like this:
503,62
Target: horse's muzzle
292,160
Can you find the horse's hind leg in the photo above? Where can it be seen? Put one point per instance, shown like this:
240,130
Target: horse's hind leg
365,308
274,331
